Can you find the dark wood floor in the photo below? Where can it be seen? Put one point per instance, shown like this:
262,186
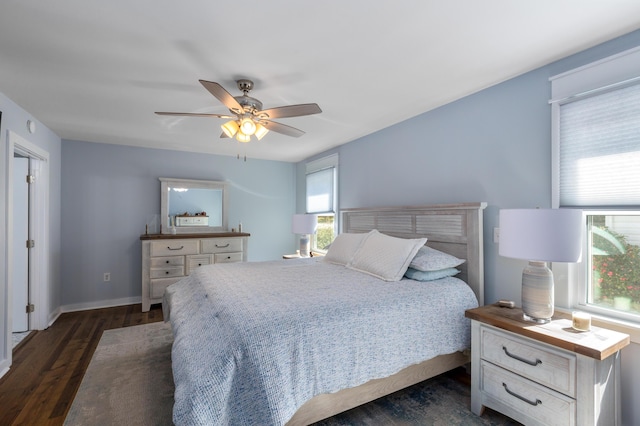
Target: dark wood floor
48,365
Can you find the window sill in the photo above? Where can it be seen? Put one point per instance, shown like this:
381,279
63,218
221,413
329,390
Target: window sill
632,329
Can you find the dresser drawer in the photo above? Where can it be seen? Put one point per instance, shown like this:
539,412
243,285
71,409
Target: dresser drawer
221,245
545,365
539,404
159,262
157,287
174,247
228,257
167,272
197,261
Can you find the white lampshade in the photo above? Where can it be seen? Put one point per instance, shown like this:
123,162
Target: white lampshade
304,224
545,235
539,236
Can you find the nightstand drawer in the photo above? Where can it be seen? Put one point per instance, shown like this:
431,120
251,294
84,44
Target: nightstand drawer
538,404
544,365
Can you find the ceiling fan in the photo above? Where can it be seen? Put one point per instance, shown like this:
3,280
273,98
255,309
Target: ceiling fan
248,118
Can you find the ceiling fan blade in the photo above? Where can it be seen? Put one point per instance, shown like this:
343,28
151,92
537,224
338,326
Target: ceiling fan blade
194,114
282,128
289,111
223,96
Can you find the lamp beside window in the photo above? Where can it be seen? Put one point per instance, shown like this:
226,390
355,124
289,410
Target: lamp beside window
540,236
304,224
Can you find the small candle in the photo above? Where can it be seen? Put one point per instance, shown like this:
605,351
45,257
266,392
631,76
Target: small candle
581,321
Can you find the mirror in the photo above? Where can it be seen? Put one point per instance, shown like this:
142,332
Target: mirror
193,206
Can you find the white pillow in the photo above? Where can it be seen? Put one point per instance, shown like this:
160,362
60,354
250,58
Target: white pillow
430,259
343,247
384,256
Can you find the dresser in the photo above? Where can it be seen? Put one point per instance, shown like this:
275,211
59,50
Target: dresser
544,374
167,258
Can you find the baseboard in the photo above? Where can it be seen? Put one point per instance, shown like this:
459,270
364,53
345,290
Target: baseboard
101,304
4,367
53,316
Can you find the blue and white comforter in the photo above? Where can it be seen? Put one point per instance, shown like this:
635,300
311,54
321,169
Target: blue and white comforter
254,341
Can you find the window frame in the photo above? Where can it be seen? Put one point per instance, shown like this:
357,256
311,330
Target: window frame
608,74
321,164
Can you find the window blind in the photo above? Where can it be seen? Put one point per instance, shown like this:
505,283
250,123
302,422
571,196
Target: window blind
599,142
320,186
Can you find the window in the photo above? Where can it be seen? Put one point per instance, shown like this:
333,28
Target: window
596,137
322,200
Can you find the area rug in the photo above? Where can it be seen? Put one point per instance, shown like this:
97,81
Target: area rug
129,379
129,382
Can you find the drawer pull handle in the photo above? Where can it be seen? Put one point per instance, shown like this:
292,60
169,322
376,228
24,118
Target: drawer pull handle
519,358
224,246
167,262
520,397
179,248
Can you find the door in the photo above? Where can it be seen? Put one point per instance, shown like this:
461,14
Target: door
20,282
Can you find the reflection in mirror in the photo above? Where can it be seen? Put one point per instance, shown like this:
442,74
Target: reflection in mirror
193,206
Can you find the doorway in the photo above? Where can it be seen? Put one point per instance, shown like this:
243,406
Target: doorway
20,280
39,224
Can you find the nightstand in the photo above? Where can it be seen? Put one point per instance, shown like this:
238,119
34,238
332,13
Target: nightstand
544,374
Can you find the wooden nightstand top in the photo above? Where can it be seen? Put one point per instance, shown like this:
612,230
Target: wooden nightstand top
598,343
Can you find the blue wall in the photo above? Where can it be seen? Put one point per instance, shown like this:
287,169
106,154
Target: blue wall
492,146
111,192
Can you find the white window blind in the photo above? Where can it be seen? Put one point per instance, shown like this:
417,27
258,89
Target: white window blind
321,184
320,191
599,139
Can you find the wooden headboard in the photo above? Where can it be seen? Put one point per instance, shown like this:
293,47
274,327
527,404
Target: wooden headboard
452,228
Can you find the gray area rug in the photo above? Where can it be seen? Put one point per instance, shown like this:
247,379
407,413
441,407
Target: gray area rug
129,382
129,379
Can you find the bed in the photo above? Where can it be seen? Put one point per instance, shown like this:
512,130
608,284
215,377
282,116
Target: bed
296,341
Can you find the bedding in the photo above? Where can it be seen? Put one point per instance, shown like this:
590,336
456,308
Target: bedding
254,341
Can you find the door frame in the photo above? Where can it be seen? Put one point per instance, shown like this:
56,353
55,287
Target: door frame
38,229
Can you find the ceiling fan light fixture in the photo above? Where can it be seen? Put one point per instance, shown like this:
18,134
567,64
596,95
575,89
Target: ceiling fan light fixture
230,128
261,131
241,137
248,126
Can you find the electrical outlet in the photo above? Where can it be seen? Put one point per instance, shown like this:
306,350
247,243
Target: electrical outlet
496,235
107,276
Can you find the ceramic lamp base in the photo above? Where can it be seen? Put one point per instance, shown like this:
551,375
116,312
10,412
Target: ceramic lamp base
537,292
304,246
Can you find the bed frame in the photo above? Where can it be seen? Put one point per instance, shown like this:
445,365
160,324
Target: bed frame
452,228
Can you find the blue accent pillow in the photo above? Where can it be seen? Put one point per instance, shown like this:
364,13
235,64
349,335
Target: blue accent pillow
417,275
430,259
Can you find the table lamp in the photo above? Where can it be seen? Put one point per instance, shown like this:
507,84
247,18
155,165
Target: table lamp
304,224
540,236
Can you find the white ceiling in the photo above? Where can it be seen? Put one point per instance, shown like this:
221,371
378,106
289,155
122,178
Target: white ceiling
96,70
